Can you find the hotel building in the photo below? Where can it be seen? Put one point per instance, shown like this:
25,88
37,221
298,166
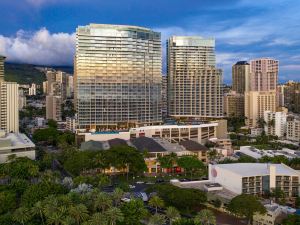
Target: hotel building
241,77
255,178
194,82
117,77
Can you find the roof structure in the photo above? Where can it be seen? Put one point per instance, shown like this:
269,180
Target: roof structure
147,144
193,146
257,169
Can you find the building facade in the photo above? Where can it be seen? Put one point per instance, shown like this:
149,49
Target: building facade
241,77
194,82
2,60
293,128
53,107
256,103
292,96
234,104
32,90
9,107
264,74
255,178
275,123
117,78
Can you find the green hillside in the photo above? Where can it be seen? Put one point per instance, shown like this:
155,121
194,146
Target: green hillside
23,74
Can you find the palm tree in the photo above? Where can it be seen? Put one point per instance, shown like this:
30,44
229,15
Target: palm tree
79,213
22,215
38,210
173,214
157,219
97,219
156,202
102,202
205,217
57,216
117,195
113,215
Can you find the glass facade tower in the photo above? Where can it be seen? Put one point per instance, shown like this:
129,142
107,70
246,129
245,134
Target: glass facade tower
194,82
117,77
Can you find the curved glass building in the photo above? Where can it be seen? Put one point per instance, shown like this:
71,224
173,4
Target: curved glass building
117,76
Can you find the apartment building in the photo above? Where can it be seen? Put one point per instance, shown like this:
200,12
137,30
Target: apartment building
2,60
234,104
53,107
256,103
194,82
241,77
275,123
264,74
293,128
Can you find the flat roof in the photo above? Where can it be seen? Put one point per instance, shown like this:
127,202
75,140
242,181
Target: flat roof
257,169
17,141
176,126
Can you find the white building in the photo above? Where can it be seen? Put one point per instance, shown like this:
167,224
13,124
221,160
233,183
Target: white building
15,144
173,133
22,99
40,121
9,105
255,178
32,90
71,124
275,123
293,128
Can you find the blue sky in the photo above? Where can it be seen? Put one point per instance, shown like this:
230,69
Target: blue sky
42,31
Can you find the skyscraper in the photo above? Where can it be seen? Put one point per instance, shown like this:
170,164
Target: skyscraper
241,77
117,77
194,82
53,107
2,59
264,74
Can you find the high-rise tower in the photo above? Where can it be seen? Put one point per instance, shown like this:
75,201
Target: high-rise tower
194,82
241,77
117,79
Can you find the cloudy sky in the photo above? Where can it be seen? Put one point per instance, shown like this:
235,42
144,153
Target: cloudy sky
42,31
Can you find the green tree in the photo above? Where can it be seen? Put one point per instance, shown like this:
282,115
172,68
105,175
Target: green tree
291,220
48,135
117,196
52,123
38,209
7,201
246,206
205,217
97,219
114,215
79,212
157,219
156,202
172,214
22,215
277,193
102,201
134,212
190,164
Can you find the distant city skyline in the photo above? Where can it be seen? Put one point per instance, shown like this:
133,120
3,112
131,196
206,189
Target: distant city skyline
43,31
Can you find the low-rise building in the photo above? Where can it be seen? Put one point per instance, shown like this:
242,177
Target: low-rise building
274,216
255,178
224,143
39,121
199,150
293,128
173,133
257,153
15,144
71,124
234,104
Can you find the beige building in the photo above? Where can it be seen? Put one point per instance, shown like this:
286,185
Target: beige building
293,128
241,77
22,99
264,74
2,60
234,104
45,87
292,96
53,107
275,123
9,107
256,102
117,76
194,82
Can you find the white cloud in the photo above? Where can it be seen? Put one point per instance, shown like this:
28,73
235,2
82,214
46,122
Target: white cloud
40,48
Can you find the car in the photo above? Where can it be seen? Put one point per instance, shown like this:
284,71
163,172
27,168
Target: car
140,182
159,181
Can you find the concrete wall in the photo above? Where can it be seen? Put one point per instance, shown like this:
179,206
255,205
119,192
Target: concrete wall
29,154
